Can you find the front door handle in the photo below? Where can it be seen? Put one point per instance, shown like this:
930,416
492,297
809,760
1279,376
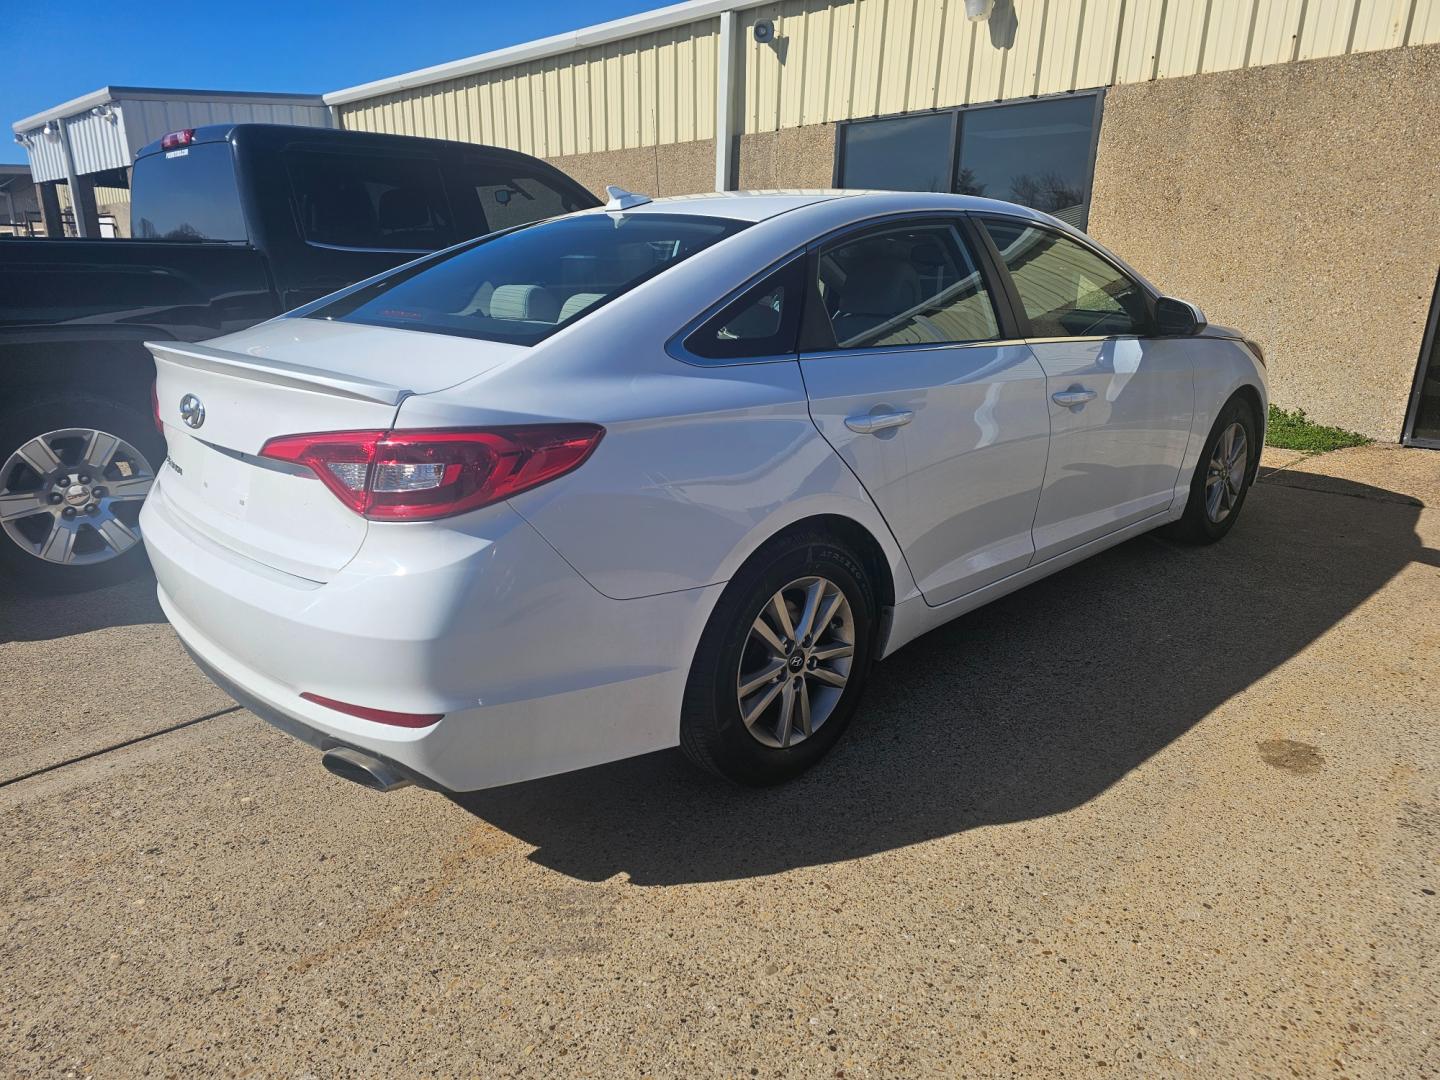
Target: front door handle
1073,398
870,423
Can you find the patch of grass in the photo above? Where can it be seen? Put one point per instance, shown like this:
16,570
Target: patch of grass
1293,430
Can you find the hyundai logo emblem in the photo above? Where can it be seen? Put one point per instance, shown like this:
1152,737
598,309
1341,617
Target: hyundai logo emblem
192,410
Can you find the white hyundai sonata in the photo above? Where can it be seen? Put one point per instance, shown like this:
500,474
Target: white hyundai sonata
671,472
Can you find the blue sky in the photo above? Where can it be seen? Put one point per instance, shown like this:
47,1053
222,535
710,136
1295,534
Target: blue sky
59,50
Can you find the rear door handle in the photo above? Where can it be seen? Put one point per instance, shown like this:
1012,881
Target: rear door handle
870,423
1073,398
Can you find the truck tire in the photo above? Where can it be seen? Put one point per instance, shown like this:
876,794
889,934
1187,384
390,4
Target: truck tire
74,471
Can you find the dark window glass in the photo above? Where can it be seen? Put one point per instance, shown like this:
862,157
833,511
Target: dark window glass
906,285
506,199
370,201
187,194
909,153
522,286
1426,424
763,321
1036,154
1065,288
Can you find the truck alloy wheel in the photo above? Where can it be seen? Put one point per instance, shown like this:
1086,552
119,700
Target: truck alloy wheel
72,497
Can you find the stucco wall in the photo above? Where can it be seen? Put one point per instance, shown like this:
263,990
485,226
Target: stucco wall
1300,203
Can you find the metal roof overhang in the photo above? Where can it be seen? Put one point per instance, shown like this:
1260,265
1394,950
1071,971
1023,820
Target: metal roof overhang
647,22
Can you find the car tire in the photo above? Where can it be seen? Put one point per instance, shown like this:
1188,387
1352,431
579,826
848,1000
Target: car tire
42,442
799,572
1223,476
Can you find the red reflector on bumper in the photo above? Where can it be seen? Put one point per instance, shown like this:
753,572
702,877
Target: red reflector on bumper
379,716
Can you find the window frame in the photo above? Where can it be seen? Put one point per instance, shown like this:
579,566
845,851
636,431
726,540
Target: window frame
957,122
1012,292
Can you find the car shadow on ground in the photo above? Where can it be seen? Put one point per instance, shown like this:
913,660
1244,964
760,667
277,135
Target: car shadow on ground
1028,707
28,616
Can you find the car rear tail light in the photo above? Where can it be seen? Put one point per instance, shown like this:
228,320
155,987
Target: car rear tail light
170,140
422,475
379,716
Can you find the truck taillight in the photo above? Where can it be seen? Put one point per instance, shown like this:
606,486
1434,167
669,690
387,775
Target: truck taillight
426,474
171,139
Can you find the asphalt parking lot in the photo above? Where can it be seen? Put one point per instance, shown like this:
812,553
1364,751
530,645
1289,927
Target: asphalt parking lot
1172,812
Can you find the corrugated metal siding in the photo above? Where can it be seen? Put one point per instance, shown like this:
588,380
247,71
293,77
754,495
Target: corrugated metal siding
47,159
652,89
97,143
833,61
837,60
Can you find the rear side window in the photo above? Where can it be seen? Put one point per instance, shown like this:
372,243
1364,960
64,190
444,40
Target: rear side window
506,199
762,322
369,201
905,285
522,286
1065,288
187,194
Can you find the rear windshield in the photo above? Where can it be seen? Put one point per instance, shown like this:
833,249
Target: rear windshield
187,194
522,286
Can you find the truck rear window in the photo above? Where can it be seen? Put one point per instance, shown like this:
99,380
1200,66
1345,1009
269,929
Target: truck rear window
522,286
187,194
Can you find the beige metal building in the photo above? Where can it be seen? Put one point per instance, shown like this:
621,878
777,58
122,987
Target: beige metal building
1277,161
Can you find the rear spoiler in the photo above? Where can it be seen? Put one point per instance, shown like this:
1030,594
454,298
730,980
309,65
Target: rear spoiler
276,372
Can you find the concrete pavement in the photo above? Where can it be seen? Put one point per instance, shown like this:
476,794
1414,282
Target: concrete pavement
1173,812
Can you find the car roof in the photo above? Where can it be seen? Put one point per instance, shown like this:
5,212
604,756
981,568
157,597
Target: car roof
759,205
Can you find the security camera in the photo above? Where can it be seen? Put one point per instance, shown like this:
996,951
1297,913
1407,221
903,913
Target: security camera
764,31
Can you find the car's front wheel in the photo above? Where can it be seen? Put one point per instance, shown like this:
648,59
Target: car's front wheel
1222,477
73,474
782,663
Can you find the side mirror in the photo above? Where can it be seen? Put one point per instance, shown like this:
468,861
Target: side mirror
1178,318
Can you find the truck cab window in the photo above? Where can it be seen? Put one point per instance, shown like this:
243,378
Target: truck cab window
369,201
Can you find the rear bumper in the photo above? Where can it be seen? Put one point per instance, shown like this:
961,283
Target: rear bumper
535,671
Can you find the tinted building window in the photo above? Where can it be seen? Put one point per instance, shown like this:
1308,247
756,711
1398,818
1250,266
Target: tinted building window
909,153
904,286
1065,288
187,194
1036,154
370,201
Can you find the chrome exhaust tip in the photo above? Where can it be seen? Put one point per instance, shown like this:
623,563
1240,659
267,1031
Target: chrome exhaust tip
362,769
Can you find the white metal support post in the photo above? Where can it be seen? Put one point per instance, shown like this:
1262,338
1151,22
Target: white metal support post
725,110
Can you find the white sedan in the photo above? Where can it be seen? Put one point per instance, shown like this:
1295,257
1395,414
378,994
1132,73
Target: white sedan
671,472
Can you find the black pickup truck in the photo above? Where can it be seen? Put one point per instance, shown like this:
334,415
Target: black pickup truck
233,224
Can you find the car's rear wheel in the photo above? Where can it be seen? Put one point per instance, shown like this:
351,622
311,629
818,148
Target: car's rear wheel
1222,477
782,663
73,474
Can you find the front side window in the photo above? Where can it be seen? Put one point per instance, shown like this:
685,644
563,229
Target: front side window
187,194
370,201
904,285
522,286
1065,288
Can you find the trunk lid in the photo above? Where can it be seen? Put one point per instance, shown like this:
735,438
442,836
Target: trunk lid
283,378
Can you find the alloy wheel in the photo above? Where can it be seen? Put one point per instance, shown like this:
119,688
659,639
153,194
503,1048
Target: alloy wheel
1225,474
795,662
72,496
